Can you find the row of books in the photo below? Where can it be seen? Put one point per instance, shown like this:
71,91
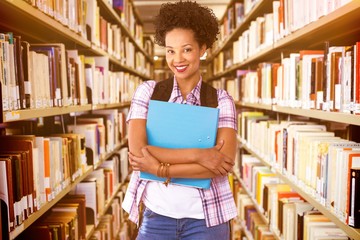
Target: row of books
291,15
280,210
69,13
101,185
310,155
65,220
234,17
113,224
125,9
287,17
73,218
34,170
83,17
310,79
104,131
231,85
47,75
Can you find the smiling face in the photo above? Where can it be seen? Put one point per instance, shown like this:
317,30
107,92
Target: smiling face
183,54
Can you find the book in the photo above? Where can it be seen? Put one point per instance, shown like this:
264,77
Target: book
354,200
6,195
80,201
172,125
89,189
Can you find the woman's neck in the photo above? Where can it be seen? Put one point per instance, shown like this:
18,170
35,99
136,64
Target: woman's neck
187,85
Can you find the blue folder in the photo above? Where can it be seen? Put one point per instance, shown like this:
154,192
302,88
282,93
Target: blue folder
174,125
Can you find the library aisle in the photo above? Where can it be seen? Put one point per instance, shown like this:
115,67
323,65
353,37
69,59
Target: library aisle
68,71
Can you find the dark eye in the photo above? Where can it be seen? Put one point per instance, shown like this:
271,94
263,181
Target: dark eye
187,50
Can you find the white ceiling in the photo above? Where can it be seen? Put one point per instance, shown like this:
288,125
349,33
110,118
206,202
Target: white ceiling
147,10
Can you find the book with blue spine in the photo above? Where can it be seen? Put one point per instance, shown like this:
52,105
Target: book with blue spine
174,125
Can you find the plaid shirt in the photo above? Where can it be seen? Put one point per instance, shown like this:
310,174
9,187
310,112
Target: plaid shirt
218,202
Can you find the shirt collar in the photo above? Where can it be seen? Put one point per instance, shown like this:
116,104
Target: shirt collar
193,98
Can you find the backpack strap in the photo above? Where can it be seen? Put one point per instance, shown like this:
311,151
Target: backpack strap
208,95
163,89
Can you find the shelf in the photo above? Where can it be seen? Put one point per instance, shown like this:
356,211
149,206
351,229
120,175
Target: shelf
255,105
353,233
319,114
89,231
47,28
36,215
343,20
109,154
339,117
248,234
261,55
260,8
111,106
110,12
108,202
24,114
256,205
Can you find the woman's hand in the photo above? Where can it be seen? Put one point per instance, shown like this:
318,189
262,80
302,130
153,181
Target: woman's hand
146,163
216,161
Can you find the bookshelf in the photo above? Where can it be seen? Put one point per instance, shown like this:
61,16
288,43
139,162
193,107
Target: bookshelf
337,27
33,217
351,232
340,20
35,23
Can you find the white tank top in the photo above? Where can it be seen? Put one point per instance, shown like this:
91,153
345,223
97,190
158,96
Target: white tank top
173,201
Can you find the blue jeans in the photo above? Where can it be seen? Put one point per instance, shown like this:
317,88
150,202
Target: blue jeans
158,227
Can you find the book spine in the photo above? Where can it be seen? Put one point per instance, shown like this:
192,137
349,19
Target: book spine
354,217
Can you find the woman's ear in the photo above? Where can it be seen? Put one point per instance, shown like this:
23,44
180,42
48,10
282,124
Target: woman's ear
202,50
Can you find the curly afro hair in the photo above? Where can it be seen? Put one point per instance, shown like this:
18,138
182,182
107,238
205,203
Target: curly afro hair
187,15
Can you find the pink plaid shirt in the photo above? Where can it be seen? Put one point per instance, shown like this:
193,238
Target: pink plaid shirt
218,202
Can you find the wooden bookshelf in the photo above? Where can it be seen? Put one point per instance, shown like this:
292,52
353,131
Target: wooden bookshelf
21,17
35,26
49,29
254,105
108,9
342,22
18,115
261,7
24,114
109,154
36,215
111,106
319,114
110,200
337,28
89,231
352,233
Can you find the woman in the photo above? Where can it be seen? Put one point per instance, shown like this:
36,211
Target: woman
186,30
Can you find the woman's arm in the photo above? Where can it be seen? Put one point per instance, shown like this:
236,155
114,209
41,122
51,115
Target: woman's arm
219,159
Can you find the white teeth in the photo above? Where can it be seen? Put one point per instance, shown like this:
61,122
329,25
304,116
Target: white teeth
180,68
